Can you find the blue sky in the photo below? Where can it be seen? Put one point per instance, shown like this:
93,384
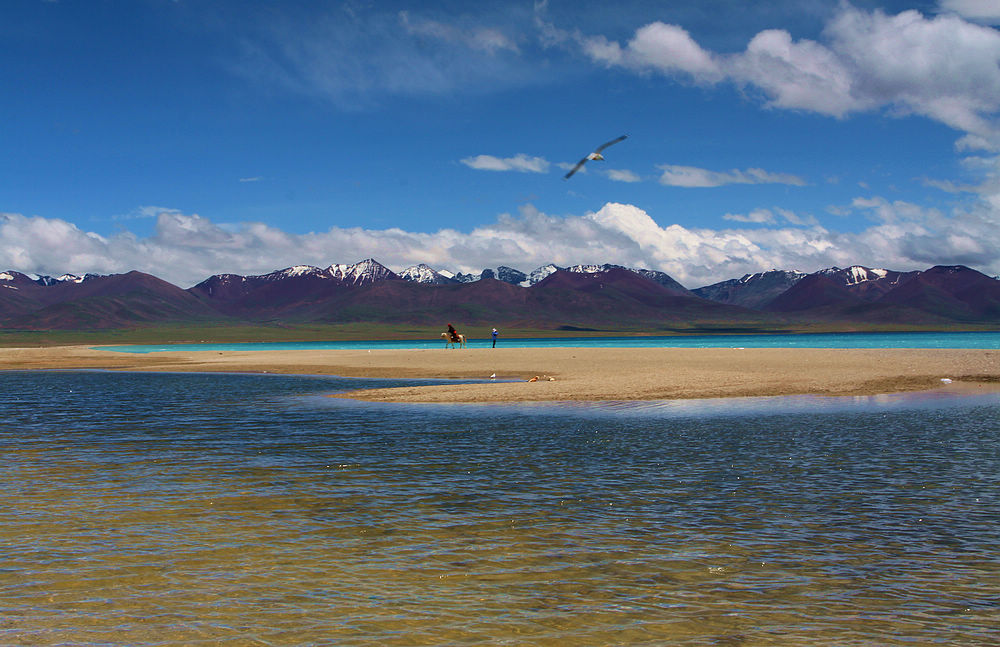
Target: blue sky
187,138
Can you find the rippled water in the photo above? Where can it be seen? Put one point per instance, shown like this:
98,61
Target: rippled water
158,509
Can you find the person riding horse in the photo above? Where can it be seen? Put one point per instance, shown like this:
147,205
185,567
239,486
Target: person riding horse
452,333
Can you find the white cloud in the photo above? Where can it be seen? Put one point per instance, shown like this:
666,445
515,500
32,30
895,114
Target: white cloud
943,68
623,175
144,212
520,162
798,75
356,55
987,11
769,217
656,47
947,186
760,216
486,39
693,177
185,249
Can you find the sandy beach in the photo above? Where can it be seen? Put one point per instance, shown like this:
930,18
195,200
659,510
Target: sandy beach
571,373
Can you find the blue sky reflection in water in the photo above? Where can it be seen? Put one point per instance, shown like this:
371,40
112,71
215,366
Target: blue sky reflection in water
183,508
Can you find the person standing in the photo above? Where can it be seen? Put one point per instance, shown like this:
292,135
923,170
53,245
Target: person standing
494,334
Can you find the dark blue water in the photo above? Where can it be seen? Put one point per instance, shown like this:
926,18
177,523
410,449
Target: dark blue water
810,340
250,509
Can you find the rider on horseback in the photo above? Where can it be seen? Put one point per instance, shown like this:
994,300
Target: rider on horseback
453,333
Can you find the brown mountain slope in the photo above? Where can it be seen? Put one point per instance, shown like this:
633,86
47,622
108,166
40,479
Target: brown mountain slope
953,291
116,301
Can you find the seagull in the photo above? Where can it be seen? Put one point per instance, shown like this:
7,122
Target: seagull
596,155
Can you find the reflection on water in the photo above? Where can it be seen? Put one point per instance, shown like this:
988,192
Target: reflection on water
165,509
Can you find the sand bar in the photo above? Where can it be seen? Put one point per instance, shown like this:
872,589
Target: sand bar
576,373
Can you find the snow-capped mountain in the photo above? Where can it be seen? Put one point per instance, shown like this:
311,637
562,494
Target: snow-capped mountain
45,280
587,296
865,282
296,270
510,275
501,273
854,274
752,290
591,268
229,287
540,274
424,273
11,278
366,271
760,289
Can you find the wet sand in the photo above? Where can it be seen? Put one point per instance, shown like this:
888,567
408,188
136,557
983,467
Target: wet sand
589,374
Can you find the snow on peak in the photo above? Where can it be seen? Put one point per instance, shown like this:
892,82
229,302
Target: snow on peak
277,275
421,273
300,270
366,271
858,274
6,276
790,274
541,273
589,269
424,273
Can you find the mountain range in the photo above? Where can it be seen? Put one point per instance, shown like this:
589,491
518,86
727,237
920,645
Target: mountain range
580,297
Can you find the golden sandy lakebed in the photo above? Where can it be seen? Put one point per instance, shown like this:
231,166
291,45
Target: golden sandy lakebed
581,374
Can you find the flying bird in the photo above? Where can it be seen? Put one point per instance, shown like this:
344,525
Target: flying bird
596,155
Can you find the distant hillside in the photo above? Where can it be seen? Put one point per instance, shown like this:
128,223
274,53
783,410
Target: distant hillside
597,297
751,291
104,302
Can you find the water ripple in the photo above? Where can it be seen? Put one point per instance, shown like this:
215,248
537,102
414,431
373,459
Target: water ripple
173,509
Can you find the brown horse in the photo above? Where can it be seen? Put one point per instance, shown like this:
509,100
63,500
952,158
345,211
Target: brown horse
448,343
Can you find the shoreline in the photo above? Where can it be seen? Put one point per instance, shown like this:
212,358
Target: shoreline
571,374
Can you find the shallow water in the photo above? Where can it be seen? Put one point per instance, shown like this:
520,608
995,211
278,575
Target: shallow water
990,340
151,509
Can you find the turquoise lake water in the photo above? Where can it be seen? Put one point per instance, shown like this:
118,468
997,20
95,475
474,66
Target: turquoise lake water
205,509
817,340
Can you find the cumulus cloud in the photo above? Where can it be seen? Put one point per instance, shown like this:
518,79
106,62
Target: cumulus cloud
185,249
943,67
520,162
656,47
987,11
798,75
693,177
